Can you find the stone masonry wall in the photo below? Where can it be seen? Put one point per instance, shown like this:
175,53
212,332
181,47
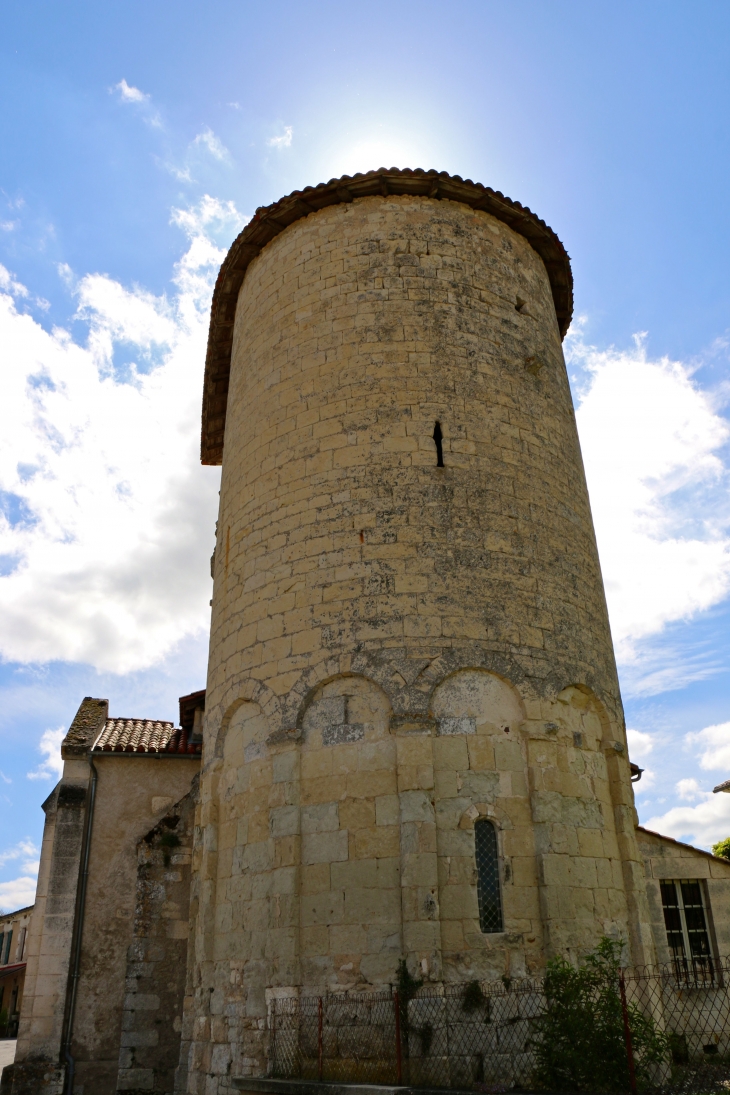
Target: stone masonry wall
157,956
37,1069
667,858
399,649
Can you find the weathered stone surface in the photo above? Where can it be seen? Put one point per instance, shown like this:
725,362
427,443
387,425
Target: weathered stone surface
152,1016
666,858
400,650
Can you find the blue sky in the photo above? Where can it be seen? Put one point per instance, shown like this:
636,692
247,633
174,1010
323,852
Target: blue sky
136,140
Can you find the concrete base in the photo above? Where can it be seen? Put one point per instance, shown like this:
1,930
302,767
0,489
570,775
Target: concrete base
261,1086
313,1087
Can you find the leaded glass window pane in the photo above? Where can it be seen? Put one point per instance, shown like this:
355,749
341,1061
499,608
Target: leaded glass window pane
488,894
672,919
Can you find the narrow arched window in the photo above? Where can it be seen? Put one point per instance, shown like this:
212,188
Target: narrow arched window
488,895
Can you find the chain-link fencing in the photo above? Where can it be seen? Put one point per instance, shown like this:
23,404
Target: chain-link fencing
657,1030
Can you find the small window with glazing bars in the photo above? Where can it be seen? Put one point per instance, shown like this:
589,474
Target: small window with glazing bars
488,890
685,918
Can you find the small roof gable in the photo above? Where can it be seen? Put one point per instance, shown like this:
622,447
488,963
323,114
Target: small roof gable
87,722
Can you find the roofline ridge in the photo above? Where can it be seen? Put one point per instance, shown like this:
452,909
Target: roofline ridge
123,718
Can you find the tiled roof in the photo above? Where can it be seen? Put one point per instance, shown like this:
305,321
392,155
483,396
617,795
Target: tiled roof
143,736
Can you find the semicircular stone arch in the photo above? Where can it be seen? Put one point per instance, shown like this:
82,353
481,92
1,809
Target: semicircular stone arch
480,771
350,900
218,720
475,700
585,714
344,699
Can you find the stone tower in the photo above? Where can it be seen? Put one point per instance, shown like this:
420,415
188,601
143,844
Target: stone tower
410,657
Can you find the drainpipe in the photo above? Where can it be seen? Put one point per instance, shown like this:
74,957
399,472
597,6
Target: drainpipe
78,933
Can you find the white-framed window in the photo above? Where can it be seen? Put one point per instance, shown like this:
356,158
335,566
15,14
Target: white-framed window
686,922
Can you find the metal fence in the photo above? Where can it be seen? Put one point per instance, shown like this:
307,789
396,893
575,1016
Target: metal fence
487,1037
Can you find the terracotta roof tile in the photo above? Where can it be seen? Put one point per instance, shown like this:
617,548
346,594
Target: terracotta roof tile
143,736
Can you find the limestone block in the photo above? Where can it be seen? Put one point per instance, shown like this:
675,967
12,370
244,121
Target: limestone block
320,818
387,810
416,806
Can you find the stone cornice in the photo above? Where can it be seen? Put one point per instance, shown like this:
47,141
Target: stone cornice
269,221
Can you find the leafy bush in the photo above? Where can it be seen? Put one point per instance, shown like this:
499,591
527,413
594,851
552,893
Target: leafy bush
473,998
407,988
580,1044
722,848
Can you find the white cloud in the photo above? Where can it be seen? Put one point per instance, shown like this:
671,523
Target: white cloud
714,741
8,226
130,94
689,790
284,141
26,850
651,440
66,274
646,783
214,145
662,664
50,747
18,893
105,507
640,743
8,284
182,174
703,824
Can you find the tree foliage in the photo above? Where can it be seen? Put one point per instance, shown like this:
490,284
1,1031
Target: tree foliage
580,1044
722,848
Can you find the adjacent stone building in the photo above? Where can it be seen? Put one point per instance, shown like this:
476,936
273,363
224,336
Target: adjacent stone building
413,745
112,907
13,943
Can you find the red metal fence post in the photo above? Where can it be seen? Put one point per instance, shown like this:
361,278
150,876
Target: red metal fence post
627,1033
398,1050
273,1036
320,1051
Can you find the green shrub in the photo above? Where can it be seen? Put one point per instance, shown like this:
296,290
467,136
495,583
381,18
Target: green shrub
473,998
722,848
580,1044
